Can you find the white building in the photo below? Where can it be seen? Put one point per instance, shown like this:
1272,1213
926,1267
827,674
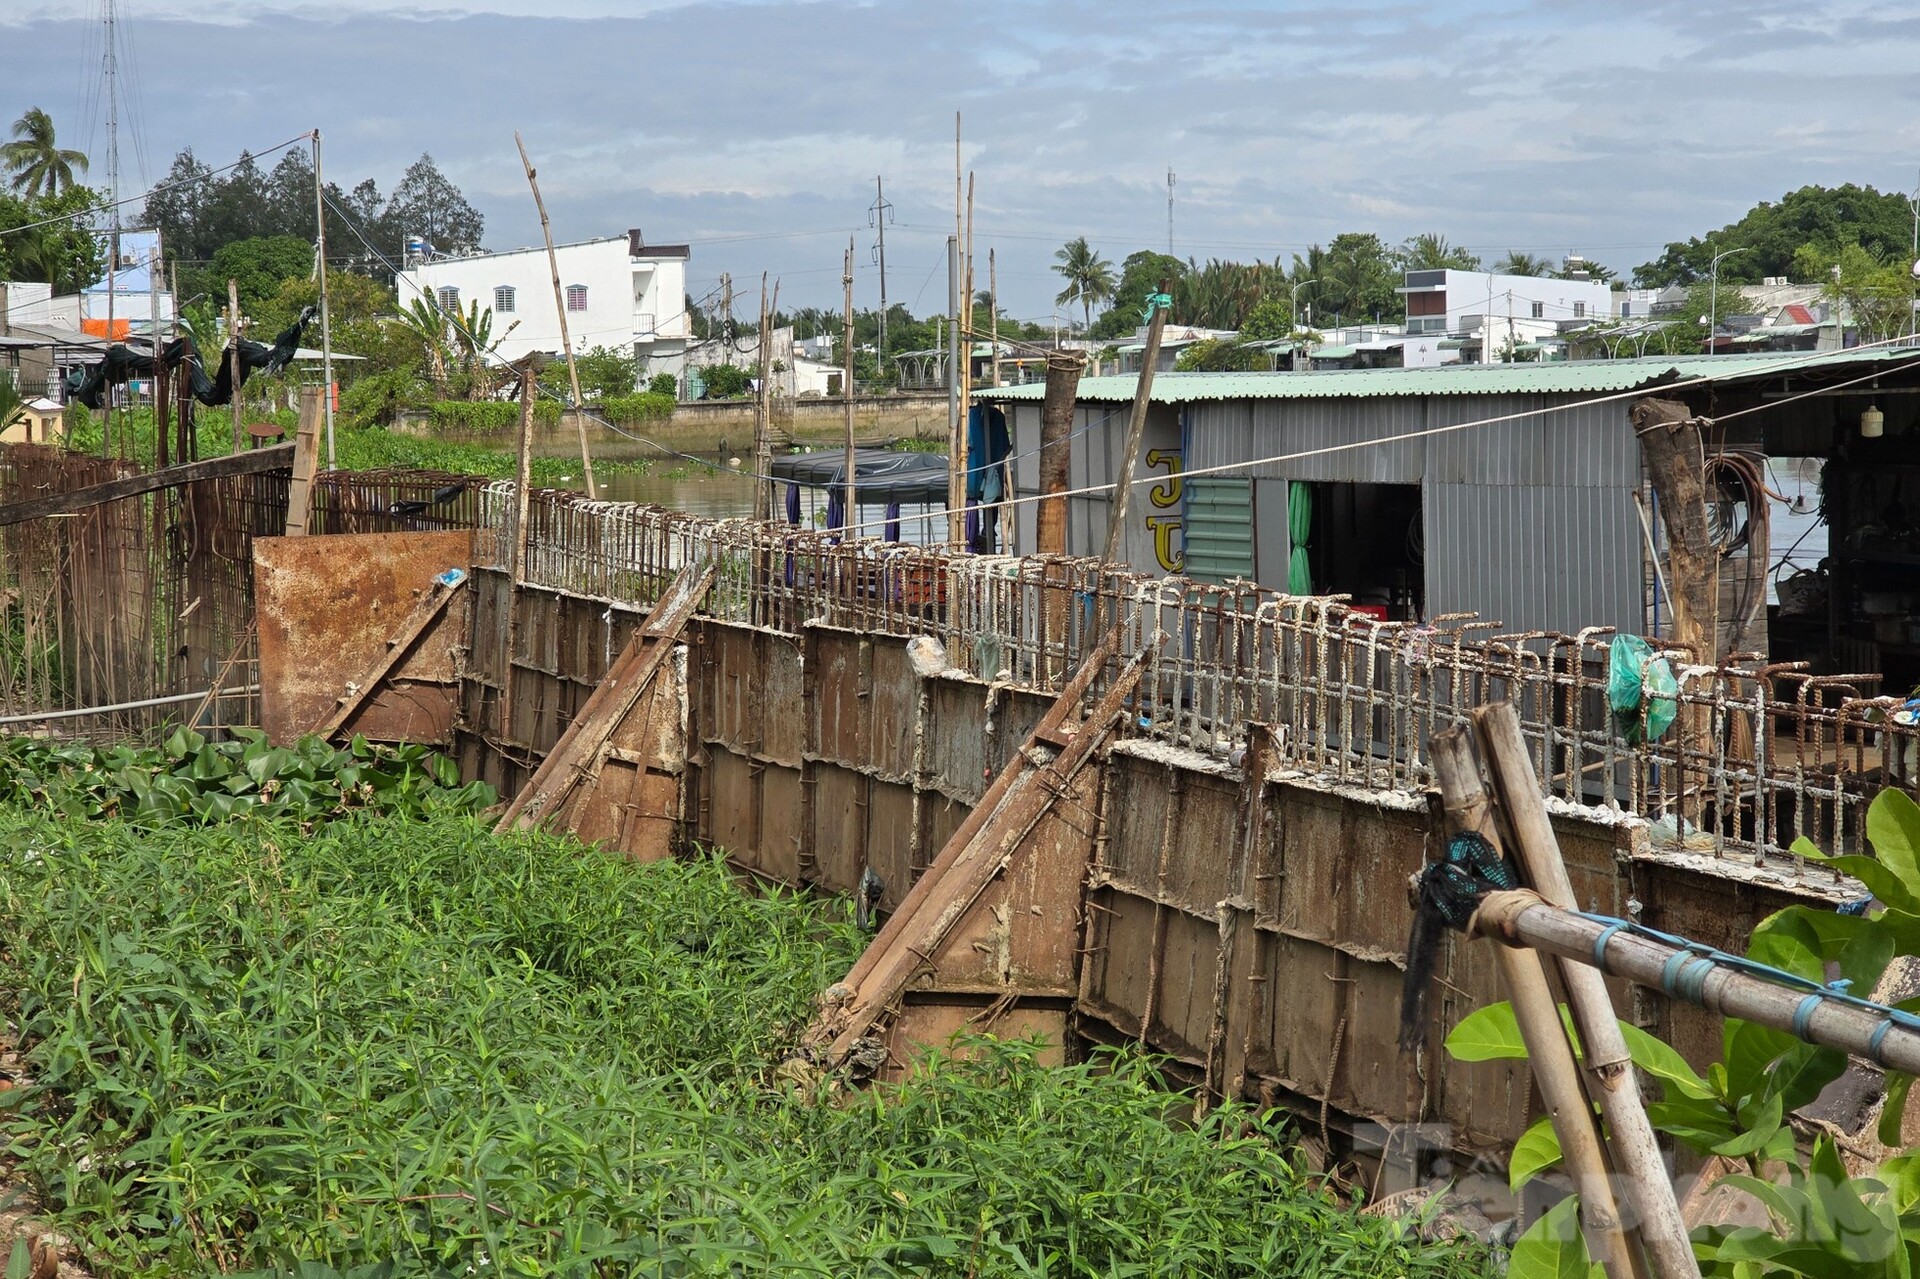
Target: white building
129,294
620,292
1489,316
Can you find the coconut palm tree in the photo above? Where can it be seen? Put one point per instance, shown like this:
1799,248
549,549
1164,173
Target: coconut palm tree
1519,263
38,165
1430,251
1089,276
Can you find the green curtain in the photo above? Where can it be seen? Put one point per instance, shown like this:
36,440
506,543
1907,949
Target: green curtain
1299,524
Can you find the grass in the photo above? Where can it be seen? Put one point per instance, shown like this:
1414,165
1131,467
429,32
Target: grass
409,1047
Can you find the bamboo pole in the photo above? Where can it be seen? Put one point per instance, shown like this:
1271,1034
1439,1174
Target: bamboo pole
560,306
517,552
233,363
1522,918
847,502
1466,808
1136,427
762,424
1610,1077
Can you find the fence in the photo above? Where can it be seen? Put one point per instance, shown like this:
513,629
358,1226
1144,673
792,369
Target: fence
1760,757
123,616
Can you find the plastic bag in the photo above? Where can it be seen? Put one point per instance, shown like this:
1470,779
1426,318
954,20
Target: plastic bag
1637,679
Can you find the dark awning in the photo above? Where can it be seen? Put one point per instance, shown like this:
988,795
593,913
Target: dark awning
881,475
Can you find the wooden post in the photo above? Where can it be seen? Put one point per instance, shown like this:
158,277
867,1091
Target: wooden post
233,364
1466,808
560,306
306,460
847,502
1056,450
1136,427
762,425
1610,1077
517,552
961,462
993,315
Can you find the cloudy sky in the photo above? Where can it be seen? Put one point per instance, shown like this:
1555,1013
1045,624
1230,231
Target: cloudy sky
755,128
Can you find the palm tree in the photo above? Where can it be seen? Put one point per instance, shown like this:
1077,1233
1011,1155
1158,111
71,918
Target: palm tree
1518,263
1089,276
13,404
1430,251
39,166
427,324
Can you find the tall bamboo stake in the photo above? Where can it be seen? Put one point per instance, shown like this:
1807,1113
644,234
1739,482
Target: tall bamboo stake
1466,807
847,502
560,306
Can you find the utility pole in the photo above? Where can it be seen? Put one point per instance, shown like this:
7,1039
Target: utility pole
847,507
1169,210
762,423
880,214
559,306
726,307
326,321
109,72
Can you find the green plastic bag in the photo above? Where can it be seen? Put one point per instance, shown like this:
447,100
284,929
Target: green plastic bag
1636,679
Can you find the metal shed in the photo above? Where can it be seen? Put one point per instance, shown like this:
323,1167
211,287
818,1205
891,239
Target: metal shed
1516,483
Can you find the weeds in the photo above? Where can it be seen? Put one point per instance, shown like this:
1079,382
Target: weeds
415,1048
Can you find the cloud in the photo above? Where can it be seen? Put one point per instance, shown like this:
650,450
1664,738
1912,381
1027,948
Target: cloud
755,129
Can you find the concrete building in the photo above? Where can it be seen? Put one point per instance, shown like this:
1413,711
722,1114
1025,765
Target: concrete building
620,292
42,421
1485,318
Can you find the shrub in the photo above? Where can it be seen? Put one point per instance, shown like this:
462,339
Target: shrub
487,417
664,384
644,406
725,381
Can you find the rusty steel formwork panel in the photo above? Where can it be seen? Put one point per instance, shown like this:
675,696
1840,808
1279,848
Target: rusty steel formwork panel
837,839
780,700
329,611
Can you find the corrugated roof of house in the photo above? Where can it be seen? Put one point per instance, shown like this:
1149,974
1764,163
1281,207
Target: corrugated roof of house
1559,378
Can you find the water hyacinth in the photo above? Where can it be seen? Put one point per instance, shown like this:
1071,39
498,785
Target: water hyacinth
410,1047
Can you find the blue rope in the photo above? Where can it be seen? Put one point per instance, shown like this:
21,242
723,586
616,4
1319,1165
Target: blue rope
1685,974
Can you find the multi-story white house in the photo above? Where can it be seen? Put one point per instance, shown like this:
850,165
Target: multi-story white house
1492,315
620,293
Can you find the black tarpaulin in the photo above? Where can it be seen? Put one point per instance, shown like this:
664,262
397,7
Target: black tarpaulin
88,385
881,475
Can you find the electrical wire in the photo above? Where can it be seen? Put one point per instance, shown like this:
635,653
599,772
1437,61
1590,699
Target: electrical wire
156,189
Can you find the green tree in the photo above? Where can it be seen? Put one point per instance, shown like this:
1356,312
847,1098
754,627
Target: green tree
1357,278
604,372
1089,277
1141,274
725,381
258,266
38,164
1273,318
1876,295
1213,355
1518,263
1826,218
64,252
1221,295
1430,251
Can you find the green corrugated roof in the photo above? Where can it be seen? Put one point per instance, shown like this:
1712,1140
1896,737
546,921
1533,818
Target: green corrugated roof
1558,378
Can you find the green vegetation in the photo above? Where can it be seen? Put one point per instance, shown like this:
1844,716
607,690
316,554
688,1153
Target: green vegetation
373,450
1825,1223
1821,219
404,1048
487,417
641,406
192,779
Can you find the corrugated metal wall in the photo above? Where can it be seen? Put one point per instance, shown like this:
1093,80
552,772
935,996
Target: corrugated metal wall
1529,522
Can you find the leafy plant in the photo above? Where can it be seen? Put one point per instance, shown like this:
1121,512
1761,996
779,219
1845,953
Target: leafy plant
1741,1108
192,779
641,406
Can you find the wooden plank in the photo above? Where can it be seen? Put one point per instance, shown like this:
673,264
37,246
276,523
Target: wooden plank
579,748
248,463
306,460
968,865
423,616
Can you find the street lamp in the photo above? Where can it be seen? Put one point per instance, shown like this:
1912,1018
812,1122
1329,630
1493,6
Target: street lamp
1713,295
1293,301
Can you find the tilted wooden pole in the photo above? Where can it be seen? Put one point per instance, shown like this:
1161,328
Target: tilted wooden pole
762,424
560,306
1136,427
1466,808
1610,1077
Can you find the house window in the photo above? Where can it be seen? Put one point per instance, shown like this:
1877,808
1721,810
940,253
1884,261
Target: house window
1579,310
503,298
449,298
576,297
1539,310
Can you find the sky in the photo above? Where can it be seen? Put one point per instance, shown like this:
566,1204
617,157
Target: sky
755,129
